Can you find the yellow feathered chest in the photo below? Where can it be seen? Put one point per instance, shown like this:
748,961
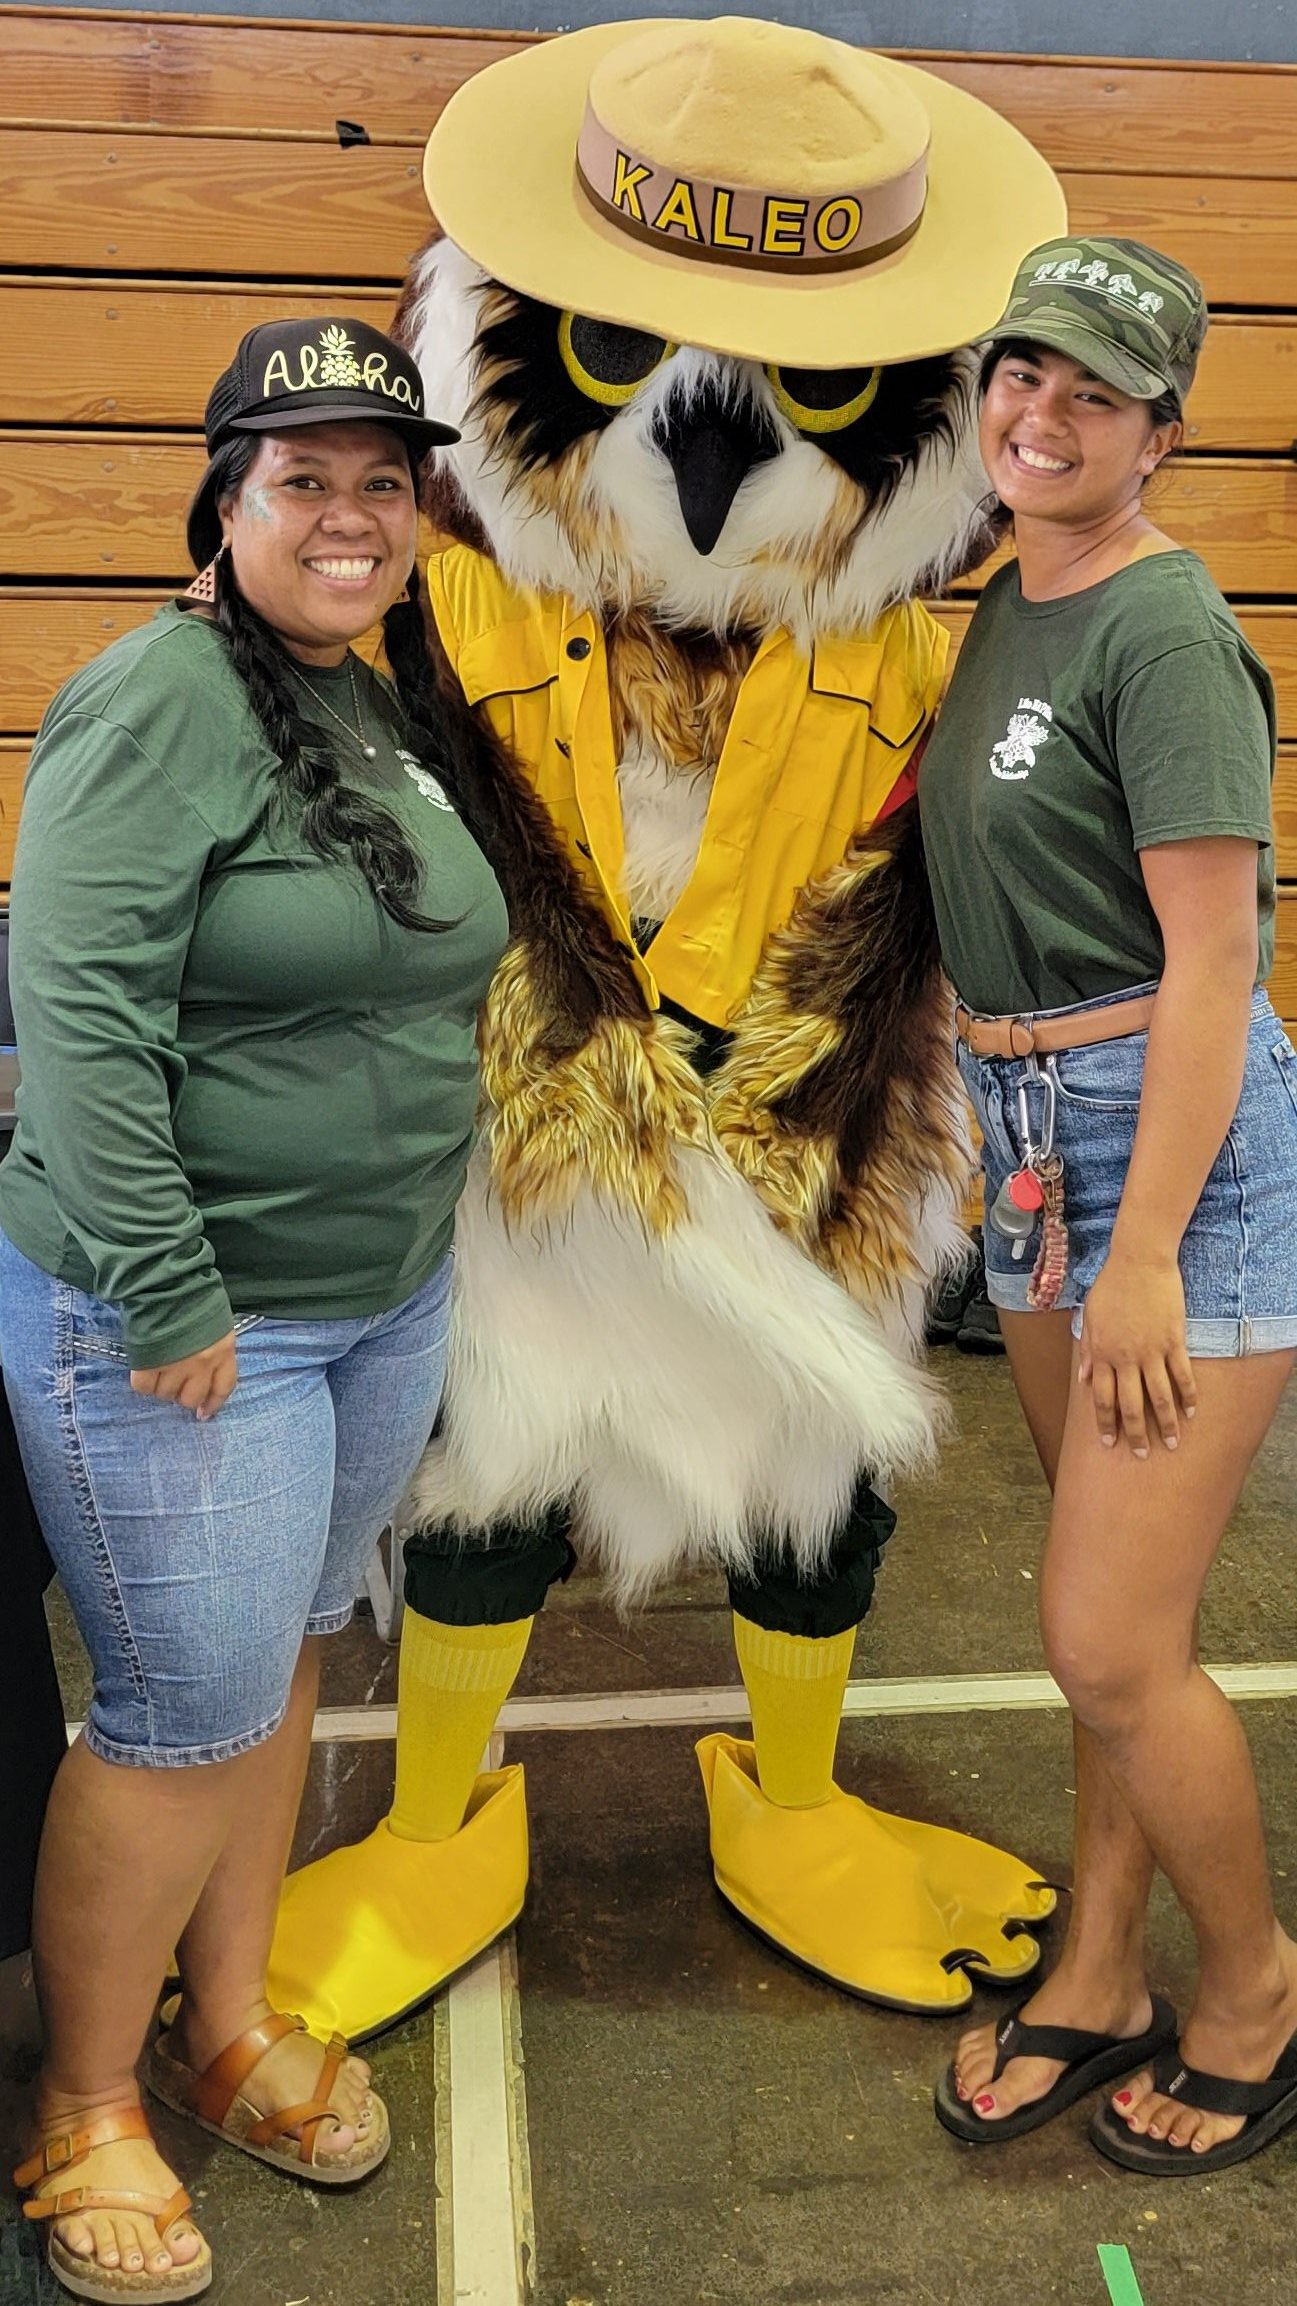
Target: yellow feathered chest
801,942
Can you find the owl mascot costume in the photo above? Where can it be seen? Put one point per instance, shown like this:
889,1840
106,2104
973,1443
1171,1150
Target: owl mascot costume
701,308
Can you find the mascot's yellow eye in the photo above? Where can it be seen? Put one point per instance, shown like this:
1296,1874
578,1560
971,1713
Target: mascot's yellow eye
606,363
824,399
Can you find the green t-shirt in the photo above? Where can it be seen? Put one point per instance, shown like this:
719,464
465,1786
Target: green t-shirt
1075,733
244,1088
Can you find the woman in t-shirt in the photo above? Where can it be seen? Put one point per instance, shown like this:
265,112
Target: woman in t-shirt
250,937
1096,814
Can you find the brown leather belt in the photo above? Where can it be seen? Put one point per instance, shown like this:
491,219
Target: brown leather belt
1041,1036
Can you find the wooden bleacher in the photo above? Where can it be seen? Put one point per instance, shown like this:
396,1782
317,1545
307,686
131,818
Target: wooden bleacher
168,181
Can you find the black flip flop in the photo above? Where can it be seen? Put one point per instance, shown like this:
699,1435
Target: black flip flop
1267,2108
1092,2061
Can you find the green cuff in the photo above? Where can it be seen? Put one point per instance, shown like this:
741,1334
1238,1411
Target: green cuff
153,1339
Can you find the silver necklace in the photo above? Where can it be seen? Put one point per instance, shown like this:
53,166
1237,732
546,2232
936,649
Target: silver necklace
357,735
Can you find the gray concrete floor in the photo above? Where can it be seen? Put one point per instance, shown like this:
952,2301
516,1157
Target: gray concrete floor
706,2122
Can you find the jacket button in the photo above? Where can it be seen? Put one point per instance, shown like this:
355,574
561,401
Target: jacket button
584,848
578,648
565,750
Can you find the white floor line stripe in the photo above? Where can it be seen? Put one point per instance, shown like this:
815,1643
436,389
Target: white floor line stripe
443,2195
486,2233
698,1708
484,2238
524,2215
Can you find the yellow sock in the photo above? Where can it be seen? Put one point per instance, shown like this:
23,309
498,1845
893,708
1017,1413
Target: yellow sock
454,1680
795,1689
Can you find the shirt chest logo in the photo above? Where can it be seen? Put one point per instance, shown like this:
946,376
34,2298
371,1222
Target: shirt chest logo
1015,756
421,777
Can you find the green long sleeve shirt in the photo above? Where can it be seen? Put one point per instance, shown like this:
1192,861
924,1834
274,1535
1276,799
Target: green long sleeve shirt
244,1088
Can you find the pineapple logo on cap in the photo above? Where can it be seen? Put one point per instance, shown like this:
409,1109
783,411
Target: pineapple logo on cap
291,372
333,363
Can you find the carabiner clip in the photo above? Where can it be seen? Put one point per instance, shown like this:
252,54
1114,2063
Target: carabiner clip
1024,1127
1050,1115
1033,1153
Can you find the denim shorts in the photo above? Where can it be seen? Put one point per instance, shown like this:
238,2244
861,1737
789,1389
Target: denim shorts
1238,1257
196,1556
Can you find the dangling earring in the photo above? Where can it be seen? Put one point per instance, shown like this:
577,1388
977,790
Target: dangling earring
203,587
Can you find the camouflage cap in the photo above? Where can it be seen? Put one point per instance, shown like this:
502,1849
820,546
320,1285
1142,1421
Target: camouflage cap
1129,314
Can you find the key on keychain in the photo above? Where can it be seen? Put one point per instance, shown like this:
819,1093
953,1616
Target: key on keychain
1016,1208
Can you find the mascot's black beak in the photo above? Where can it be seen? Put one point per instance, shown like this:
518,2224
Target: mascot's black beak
711,445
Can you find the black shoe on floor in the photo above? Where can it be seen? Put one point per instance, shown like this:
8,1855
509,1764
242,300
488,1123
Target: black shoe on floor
979,1329
946,1312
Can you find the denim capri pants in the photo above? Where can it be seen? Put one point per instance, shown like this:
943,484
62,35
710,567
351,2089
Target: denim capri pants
1238,1257
196,1556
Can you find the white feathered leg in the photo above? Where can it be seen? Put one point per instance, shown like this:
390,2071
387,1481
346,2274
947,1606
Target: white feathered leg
697,1389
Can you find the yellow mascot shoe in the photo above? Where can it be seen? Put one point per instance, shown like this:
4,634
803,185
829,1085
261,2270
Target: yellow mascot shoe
369,1932
835,1889
989,1891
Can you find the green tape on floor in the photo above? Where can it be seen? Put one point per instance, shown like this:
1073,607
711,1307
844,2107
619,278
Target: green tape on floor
1119,2275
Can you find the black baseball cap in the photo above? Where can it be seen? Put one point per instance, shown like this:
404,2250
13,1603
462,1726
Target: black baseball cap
291,372
294,372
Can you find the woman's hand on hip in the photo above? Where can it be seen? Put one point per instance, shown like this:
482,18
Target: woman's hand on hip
202,1382
1133,1352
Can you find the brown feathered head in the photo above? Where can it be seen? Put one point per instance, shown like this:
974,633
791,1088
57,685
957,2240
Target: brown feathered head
625,471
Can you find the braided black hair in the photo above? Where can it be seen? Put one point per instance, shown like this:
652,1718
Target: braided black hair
584,970
336,819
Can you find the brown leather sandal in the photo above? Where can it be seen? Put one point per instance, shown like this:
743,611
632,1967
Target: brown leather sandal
85,2277
213,2099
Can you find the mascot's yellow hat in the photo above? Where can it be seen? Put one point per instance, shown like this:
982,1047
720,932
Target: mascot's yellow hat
742,186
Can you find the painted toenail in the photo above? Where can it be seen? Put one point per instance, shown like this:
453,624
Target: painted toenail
1123,2098
985,2104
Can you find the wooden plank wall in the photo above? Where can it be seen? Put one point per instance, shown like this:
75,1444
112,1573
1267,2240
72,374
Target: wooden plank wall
168,181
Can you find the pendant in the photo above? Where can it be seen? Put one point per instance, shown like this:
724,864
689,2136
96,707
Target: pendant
370,752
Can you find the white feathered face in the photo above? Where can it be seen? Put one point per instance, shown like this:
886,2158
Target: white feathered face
626,471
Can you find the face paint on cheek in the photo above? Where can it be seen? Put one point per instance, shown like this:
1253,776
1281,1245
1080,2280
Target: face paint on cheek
256,504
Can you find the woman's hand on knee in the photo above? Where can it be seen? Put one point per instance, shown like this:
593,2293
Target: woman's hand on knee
202,1382
1133,1354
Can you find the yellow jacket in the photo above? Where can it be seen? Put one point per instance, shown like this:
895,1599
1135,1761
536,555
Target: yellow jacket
813,751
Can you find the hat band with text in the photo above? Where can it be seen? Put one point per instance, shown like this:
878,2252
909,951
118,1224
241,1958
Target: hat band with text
769,231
